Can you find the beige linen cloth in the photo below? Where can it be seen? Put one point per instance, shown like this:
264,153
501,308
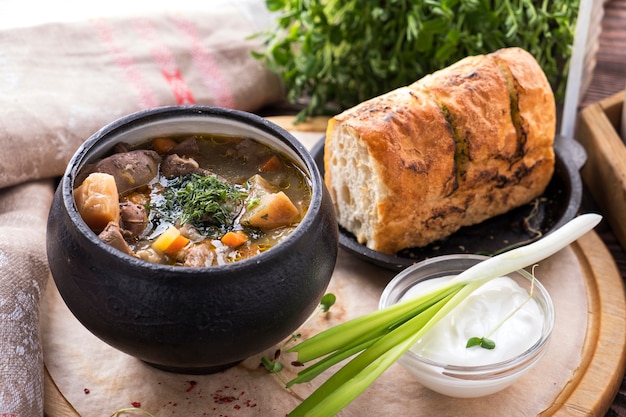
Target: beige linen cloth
59,83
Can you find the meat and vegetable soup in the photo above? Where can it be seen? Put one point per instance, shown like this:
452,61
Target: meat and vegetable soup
193,201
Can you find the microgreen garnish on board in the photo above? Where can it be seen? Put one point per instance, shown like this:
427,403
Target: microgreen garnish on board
274,366
328,300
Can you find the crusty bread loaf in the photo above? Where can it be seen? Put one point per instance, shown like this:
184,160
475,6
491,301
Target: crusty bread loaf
461,145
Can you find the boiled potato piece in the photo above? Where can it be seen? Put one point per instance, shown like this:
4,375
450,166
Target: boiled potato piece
97,201
272,211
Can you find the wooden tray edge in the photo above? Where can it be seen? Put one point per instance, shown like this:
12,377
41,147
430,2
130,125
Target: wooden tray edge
597,381
605,170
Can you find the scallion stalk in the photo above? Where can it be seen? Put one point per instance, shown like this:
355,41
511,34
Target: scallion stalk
524,256
346,334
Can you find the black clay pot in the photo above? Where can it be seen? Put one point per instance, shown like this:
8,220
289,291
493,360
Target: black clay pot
191,320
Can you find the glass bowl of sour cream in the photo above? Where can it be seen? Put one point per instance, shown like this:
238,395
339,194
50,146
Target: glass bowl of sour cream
502,310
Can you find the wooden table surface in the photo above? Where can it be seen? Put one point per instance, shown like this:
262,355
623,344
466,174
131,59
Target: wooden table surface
609,77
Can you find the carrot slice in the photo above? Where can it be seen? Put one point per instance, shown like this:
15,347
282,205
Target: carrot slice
272,164
234,239
170,242
163,145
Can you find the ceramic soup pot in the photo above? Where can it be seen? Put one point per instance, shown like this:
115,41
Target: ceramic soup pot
191,319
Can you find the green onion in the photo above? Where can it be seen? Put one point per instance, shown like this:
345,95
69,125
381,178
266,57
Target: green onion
379,338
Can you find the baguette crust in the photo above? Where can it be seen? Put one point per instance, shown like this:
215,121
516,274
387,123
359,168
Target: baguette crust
536,111
461,145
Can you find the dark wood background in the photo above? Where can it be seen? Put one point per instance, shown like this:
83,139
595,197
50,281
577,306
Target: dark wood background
609,77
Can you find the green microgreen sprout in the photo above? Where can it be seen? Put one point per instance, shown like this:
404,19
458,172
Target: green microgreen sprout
274,365
485,342
373,342
328,300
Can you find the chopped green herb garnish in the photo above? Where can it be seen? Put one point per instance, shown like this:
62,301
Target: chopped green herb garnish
200,201
253,203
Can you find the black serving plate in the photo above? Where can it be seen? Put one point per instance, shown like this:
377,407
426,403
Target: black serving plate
559,203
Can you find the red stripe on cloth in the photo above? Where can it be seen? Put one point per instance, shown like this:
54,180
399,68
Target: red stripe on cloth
166,61
126,63
212,75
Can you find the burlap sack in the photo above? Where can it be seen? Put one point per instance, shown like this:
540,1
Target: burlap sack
59,83
23,276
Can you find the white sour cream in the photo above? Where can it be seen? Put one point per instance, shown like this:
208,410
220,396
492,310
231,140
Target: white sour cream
477,316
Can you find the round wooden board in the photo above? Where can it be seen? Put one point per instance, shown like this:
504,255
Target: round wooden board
596,381
603,363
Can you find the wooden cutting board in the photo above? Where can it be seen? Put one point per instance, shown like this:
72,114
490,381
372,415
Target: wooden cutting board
603,361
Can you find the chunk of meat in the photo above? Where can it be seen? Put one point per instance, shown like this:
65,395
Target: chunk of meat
134,218
112,235
191,233
121,147
271,211
177,166
150,255
201,254
132,169
97,201
187,147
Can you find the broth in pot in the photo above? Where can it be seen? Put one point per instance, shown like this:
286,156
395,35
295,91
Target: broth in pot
195,201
